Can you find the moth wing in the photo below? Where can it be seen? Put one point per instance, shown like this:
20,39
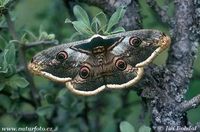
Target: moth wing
140,47
58,63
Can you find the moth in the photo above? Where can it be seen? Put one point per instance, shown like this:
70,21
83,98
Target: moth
90,66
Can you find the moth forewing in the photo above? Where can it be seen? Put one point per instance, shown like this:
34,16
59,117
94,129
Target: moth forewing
60,63
163,43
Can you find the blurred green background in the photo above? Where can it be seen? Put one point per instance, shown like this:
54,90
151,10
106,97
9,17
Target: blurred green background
108,109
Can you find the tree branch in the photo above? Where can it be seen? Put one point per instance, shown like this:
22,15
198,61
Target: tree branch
187,105
198,125
182,52
161,11
178,70
38,43
11,26
196,26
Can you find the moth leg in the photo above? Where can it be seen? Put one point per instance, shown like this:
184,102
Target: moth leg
164,43
129,83
84,93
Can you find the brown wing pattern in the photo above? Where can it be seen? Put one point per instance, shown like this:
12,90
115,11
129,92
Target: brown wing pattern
90,66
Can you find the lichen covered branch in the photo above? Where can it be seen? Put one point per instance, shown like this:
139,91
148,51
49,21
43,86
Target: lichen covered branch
190,104
182,52
176,75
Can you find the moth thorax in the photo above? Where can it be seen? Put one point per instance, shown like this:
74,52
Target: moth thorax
99,53
98,50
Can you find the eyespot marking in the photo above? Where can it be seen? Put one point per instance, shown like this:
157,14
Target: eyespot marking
84,72
61,56
121,64
135,41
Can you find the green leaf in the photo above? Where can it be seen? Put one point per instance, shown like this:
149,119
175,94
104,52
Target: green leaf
7,60
6,102
118,30
24,39
115,18
67,20
17,81
6,1
102,21
96,24
3,62
10,55
14,95
74,37
3,24
11,70
144,129
82,28
43,35
3,41
61,93
51,36
81,15
50,98
3,2
126,127
44,110
31,34
2,85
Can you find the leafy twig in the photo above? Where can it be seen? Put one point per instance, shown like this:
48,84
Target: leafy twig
38,43
22,57
26,116
24,99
